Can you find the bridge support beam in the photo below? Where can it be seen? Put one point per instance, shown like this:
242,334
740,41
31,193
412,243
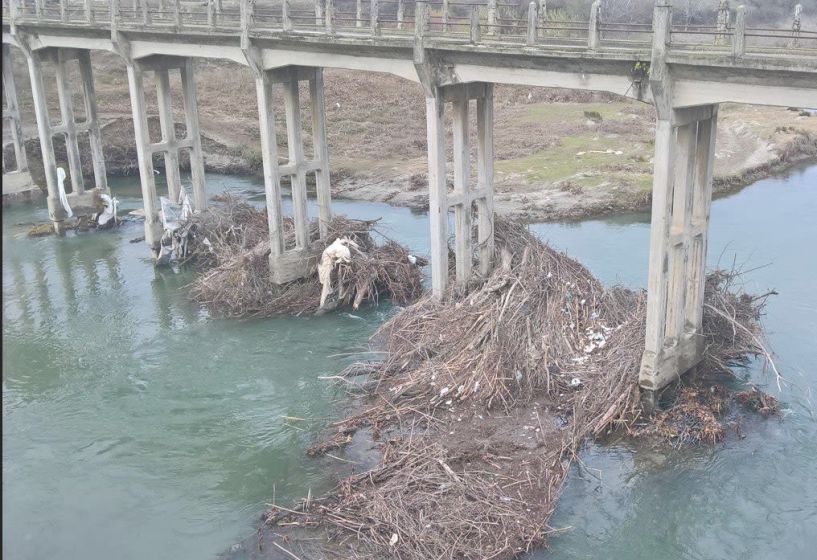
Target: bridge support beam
466,197
290,261
69,128
682,195
169,145
17,183
11,113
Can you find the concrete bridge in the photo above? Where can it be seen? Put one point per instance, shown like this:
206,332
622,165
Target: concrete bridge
457,50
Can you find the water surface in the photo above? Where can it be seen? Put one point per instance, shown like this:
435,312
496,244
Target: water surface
135,426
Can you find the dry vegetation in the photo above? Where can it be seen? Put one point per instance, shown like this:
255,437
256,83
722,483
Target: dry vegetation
230,246
483,400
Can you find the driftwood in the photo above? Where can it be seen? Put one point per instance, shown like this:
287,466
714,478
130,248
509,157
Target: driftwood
229,244
483,400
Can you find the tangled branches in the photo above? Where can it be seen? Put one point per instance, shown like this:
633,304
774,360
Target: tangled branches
230,246
483,400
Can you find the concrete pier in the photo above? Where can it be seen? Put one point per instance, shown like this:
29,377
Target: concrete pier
169,145
78,197
682,194
465,196
681,198
288,263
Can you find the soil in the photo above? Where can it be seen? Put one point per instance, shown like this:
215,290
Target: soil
559,154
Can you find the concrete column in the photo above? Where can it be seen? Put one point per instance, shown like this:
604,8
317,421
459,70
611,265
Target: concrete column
722,23
438,192
682,193
796,25
92,121
374,14
330,17
739,40
55,210
532,17
12,112
144,154
445,16
168,126
286,21
321,147
359,13
543,12
593,32
485,179
318,13
401,13
193,130
462,173
701,204
475,29
269,153
68,124
492,17
292,109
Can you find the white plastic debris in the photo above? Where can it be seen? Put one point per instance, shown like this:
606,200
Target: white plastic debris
61,189
174,238
174,214
394,539
575,382
109,213
338,252
412,259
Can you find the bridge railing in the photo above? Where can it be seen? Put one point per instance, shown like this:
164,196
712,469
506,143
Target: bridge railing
485,22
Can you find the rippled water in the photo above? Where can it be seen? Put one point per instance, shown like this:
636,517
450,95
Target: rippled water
134,426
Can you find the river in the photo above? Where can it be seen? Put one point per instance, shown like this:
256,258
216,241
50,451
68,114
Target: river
136,427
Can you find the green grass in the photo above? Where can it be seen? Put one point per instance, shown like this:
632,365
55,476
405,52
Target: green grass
589,170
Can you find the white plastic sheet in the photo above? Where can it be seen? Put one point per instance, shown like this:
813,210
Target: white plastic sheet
61,189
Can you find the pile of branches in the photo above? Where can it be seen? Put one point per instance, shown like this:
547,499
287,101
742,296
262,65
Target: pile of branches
229,244
542,348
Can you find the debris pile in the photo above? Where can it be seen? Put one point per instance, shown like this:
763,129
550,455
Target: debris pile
483,400
229,244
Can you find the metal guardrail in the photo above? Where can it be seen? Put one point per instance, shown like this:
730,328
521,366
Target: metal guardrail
457,22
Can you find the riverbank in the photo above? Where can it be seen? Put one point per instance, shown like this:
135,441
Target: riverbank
560,155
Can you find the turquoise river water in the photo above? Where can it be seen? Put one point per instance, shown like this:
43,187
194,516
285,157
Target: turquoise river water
137,427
